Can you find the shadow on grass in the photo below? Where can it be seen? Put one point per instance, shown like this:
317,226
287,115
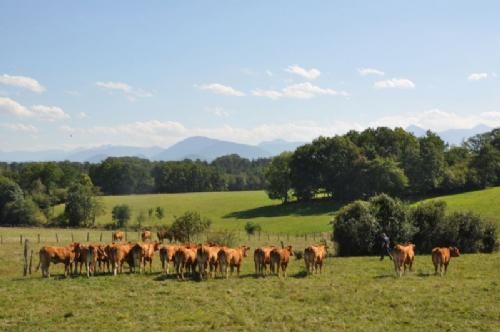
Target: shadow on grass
317,207
384,276
299,275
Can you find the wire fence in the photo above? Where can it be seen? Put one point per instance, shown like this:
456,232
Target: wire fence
65,236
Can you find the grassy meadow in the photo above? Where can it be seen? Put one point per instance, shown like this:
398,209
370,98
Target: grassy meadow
229,210
485,202
352,294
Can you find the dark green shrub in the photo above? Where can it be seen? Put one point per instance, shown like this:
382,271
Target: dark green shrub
251,228
355,229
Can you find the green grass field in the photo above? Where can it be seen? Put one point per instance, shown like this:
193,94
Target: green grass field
230,210
483,202
352,294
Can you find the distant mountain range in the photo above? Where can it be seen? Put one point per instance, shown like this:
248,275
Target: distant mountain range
451,136
202,148
197,147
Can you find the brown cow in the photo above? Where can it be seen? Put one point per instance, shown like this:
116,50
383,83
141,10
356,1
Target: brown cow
103,257
119,254
314,256
403,255
166,256
145,235
262,259
442,256
231,258
87,255
184,259
206,256
118,236
52,254
280,258
135,258
165,234
149,250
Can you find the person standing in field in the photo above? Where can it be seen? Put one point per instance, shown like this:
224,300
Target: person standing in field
385,246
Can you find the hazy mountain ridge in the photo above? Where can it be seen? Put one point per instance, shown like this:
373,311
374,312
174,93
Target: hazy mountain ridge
196,147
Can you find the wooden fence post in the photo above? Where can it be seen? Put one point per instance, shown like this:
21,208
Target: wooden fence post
31,261
21,239
72,238
88,236
126,235
26,251
57,238
100,238
38,238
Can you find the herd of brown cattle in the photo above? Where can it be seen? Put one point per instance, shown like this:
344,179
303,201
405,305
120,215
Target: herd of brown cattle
205,260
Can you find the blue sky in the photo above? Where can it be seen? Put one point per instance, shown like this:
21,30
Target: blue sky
152,73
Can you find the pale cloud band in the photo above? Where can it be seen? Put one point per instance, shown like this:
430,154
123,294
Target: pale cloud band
299,91
131,93
477,76
49,113
22,82
164,133
370,71
309,74
221,89
395,83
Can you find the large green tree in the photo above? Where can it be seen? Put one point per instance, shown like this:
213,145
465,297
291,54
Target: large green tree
278,177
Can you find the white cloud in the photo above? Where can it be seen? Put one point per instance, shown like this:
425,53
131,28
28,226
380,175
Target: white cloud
395,83
370,71
82,115
11,106
19,127
438,120
309,74
273,94
269,73
217,111
131,93
301,91
221,89
477,76
22,82
307,90
50,113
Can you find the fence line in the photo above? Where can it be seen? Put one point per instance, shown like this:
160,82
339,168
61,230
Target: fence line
63,236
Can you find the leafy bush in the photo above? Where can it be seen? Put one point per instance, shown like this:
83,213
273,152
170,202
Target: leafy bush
426,217
393,217
121,215
251,228
189,224
226,238
356,229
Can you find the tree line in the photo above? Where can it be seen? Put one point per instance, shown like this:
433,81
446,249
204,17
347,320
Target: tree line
344,168
383,160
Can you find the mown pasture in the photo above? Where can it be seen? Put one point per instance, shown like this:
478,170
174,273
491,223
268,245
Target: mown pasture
357,293
232,210
229,210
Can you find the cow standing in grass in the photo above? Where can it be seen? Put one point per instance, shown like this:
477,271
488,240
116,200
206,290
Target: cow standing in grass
230,258
441,258
166,256
314,256
280,258
403,256
262,259
51,254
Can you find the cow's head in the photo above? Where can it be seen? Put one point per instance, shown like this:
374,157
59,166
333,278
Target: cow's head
289,248
454,252
244,249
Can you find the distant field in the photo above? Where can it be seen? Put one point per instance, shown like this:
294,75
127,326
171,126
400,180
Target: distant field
352,294
483,202
230,210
